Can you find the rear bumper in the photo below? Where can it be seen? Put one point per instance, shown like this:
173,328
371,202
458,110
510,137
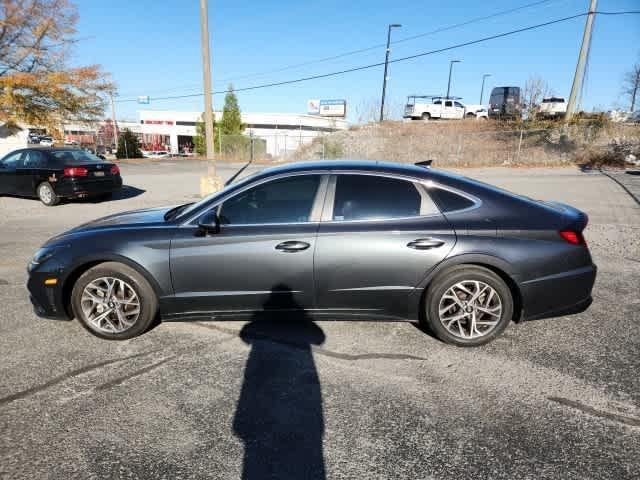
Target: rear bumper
75,187
559,294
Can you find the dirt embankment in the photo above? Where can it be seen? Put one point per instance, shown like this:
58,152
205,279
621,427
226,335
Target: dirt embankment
473,143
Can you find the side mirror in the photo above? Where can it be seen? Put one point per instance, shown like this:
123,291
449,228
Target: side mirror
209,222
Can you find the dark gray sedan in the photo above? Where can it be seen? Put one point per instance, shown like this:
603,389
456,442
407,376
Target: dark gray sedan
329,240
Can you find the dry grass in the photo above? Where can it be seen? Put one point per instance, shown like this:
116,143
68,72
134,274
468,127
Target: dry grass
469,143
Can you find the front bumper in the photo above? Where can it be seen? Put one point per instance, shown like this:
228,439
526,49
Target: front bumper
559,294
47,300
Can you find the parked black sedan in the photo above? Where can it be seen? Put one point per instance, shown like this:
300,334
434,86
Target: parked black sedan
348,240
51,174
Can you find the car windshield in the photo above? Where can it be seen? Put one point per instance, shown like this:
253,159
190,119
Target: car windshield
75,157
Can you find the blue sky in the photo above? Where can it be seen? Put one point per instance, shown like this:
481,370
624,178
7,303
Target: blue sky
152,47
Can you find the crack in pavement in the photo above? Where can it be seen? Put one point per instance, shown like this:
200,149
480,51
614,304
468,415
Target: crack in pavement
124,378
634,422
66,376
314,349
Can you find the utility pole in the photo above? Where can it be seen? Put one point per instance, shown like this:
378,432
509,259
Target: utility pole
582,61
484,77
113,118
450,69
212,182
386,66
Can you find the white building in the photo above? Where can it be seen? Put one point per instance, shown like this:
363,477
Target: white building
282,132
12,139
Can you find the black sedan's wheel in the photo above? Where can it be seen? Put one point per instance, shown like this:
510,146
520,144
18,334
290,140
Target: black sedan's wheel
47,195
113,301
468,306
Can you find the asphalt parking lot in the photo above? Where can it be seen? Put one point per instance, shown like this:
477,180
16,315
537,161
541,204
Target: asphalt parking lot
555,398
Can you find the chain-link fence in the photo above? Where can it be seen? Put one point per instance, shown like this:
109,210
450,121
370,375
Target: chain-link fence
465,143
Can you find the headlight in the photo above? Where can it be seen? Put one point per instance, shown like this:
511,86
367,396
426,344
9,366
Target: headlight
45,254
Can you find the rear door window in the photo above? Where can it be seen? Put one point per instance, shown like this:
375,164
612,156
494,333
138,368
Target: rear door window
370,197
35,159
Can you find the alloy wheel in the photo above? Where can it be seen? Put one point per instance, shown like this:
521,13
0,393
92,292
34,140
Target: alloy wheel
470,309
45,194
110,305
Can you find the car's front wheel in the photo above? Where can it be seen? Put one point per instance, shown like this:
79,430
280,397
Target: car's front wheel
468,306
47,194
113,301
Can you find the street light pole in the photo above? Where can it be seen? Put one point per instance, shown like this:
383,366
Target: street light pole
450,69
113,119
386,66
211,183
482,89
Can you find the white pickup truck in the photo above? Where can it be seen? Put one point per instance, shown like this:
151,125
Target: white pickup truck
552,107
441,107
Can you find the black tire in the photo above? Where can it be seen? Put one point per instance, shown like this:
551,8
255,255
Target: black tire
147,299
426,116
104,197
47,194
443,282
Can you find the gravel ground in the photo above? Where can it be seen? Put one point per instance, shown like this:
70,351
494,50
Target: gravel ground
556,398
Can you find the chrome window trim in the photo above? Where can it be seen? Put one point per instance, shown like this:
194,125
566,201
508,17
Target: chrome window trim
319,193
329,184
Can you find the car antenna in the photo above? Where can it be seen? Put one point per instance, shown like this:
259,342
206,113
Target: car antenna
424,163
235,175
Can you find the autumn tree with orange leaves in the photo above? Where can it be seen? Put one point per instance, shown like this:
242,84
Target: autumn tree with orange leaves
37,86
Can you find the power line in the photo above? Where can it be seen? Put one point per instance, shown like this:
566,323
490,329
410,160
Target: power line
375,47
397,60
373,65
380,45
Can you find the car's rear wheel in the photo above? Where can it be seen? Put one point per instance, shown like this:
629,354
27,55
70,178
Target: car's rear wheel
468,306
113,301
47,194
426,116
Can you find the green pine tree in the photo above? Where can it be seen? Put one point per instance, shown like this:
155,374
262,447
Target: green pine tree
128,145
231,123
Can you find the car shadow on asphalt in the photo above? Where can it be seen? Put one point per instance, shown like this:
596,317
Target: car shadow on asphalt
125,193
279,413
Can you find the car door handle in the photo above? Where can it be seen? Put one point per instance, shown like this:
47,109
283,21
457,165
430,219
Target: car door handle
292,246
425,243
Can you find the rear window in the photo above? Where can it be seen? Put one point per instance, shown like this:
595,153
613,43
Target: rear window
75,157
449,201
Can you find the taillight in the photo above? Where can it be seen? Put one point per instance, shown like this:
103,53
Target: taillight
75,172
115,170
574,238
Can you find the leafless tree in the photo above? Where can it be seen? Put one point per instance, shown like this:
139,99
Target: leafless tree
535,89
630,85
367,110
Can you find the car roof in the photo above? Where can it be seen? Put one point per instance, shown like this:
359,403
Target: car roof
358,165
441,177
